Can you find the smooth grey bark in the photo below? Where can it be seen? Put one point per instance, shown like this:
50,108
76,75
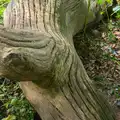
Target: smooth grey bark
37,49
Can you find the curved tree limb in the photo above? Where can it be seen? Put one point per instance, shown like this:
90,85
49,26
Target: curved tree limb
37,49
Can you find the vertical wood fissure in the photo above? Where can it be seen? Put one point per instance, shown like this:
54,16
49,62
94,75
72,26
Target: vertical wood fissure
72,83
29,13
23,13
44,14
95,96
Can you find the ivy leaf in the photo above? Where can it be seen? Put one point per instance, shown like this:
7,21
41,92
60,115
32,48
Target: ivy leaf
100,2
10,117
109,1
14,101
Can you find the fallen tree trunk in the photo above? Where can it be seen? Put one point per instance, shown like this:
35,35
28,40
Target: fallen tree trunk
37,50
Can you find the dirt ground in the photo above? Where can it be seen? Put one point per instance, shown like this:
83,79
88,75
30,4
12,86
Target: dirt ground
99,49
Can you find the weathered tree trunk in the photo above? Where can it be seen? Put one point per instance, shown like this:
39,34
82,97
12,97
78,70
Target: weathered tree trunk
37,49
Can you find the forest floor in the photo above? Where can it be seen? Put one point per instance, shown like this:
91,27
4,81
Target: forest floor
99,50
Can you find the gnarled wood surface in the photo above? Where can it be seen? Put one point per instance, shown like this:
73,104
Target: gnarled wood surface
37,50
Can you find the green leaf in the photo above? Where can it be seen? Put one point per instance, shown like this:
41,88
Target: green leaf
10,117
109,1
14,101
2,95
102,12
100,2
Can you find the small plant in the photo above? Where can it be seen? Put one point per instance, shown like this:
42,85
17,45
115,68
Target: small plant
105,4
14,104
3,4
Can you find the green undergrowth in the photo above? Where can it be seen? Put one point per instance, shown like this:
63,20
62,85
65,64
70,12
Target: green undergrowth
99,50
13,105
3,4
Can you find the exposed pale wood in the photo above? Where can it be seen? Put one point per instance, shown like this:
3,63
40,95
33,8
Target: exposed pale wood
37,50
